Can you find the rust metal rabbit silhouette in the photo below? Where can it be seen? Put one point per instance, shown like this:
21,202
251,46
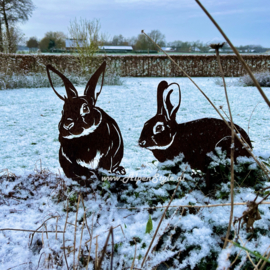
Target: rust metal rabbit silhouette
167,139
89,138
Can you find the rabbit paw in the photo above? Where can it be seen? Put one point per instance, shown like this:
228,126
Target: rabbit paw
119,170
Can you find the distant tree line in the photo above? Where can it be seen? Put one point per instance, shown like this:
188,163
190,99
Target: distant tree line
56,40
141,42
87,36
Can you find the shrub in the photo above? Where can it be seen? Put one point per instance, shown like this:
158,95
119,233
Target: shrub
263,79
39,80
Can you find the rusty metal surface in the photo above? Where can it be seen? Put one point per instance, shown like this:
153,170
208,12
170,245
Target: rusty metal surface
167,139
89,138
138,65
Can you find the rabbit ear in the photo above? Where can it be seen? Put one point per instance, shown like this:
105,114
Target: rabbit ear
170,109
90,89
70,89
163,85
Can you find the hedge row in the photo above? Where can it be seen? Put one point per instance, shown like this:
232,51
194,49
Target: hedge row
138,65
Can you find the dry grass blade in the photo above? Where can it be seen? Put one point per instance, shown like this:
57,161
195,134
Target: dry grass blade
112,248
85,217
65,256
232,144
19,265
264,263
90,245
56,228
46,230
107,231
172,216
34,231
78,203
237,256
261,260
251,116
165,211
236,52
79,252
243,141
104,249
96,254
187,206
248,255
133,262
39,259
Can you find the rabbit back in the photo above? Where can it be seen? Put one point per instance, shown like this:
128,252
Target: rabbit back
197,138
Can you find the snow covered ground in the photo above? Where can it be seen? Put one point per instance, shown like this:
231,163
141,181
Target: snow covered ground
29,133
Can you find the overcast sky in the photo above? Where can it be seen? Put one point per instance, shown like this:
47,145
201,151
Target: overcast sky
244,21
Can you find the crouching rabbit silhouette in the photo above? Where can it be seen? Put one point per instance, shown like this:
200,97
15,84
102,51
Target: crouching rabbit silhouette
167,139
89,138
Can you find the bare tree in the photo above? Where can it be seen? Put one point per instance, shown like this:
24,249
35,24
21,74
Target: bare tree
86,37
119,41
158,37
143,43
1,36
16,37
12,11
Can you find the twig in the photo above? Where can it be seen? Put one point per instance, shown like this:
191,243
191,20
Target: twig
242,139
56,228
107,231
236,52
19,265
39,259
81,239
238,253
164,213
34,231
64,237
251,115
40,227
46,230
96,254
78,203
264,263
160,235
132,265
259,191
187,206
248,255
90,245
261,260
245,178
112,249
85,217
217,46
104,249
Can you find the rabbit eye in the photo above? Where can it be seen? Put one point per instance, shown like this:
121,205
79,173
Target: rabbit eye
84,109
158,128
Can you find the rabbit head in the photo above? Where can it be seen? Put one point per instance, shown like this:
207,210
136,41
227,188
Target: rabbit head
80,117
159,132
